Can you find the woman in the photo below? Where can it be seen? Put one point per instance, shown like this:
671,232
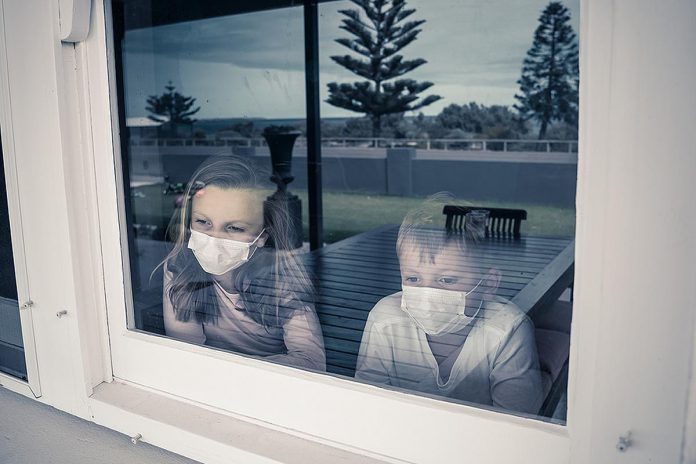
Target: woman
230,281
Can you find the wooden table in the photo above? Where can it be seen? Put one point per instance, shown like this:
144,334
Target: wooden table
353,274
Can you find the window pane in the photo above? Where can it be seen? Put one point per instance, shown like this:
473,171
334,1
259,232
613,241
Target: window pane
11,346
204,91
472,125
435,137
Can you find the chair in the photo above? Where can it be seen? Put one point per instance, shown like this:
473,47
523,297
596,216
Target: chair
503,222
552,335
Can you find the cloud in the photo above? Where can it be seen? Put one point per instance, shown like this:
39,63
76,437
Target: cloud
267,39
255,62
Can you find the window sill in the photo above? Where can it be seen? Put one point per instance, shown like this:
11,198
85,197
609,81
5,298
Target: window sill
203,434
17,386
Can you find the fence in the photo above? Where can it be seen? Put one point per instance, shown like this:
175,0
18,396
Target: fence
502,145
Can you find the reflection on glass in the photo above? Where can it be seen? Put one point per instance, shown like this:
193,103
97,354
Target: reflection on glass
223,286
484,140
476,124
11,345
448,333
196,84
419,97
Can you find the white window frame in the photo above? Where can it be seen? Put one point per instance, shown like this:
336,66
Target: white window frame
31,387
602,403
337,410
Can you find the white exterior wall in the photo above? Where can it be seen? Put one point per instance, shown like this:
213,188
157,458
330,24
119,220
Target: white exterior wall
632,344
634,322
45,126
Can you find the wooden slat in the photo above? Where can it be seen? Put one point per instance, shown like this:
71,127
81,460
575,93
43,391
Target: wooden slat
352,275
386,243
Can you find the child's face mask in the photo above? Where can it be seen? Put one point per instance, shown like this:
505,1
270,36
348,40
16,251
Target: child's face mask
437,310
218,256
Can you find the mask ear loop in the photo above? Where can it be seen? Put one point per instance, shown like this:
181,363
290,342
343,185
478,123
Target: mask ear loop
251,253
475,287
480,303
258,236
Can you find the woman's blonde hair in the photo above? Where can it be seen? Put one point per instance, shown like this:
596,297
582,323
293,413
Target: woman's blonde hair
272,284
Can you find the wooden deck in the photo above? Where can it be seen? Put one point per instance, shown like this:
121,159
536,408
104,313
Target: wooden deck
353,274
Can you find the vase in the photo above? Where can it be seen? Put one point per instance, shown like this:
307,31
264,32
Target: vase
280,145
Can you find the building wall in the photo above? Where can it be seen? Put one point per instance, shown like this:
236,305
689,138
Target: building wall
536,182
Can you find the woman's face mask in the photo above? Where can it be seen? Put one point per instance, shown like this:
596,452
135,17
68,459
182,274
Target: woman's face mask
218,256
437,310
222,221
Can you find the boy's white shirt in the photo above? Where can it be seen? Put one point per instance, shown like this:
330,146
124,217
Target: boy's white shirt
497,366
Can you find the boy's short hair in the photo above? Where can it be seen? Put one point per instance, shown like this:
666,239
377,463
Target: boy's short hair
431,242
420,232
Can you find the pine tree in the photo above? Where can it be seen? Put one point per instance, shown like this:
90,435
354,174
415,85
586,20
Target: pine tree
550,77
379,36
172,108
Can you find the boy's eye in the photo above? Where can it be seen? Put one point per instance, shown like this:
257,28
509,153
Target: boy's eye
411,279
448,280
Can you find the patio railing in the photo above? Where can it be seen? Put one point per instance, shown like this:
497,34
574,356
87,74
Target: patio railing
502,145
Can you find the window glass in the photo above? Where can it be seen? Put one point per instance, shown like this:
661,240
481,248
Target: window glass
12,359
455,109
448,163
196,84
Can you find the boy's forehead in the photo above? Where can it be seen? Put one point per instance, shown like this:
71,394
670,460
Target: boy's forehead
446,254
452,261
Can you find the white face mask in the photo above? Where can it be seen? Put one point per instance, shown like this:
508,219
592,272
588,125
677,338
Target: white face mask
218,256
436,310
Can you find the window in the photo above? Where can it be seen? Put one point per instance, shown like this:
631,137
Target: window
12,359
468,125
213,88
18,354
388,422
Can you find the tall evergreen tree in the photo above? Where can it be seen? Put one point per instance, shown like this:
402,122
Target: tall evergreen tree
380,33
550,77
172,108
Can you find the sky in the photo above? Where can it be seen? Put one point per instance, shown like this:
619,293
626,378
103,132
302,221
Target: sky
252,65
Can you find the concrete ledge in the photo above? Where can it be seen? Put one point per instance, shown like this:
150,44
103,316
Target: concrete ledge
34,433
206,435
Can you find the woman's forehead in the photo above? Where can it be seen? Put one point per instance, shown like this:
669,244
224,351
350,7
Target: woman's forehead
229,203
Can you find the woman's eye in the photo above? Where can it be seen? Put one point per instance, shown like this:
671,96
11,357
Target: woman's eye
235,230
201,222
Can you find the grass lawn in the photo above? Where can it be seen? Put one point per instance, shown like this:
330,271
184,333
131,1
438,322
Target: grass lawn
347,214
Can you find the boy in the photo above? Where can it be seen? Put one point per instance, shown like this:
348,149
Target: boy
447,333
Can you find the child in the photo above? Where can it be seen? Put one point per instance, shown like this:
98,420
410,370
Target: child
447,333
224,286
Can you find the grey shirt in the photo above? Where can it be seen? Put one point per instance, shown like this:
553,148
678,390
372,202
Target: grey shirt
297,342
